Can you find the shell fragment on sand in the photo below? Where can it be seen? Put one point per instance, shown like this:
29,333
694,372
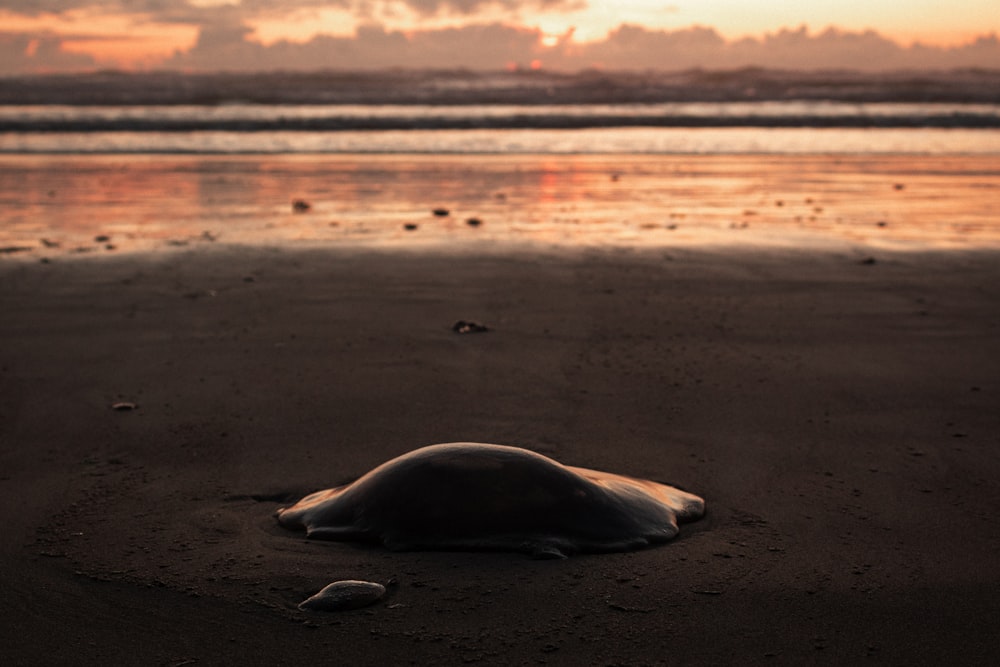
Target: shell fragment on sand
344,595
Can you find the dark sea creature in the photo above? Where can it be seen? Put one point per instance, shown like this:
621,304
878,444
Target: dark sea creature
473,496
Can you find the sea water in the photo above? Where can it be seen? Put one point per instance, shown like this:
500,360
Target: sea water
778,127
168,161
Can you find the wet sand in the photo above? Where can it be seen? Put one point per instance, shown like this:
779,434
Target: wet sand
839,417
57,205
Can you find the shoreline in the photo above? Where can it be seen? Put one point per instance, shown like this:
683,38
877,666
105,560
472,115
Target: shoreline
106,205
838,417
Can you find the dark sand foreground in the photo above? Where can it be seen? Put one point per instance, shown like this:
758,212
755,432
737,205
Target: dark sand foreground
841,418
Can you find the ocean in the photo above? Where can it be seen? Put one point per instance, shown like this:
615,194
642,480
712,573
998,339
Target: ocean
680,128
160,160
749,111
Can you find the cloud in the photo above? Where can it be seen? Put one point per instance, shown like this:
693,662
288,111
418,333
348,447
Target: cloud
21,53
474,47
495,46
633,47
430,7
865,50
226,40
36,7
169,10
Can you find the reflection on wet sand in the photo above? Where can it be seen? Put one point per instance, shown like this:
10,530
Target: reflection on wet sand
51,205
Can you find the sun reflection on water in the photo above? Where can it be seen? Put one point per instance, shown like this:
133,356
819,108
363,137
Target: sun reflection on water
53,204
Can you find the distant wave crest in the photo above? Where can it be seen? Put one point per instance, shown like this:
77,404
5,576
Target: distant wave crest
333,118
521,87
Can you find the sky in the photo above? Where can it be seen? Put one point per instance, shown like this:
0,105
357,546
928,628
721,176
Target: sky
198,35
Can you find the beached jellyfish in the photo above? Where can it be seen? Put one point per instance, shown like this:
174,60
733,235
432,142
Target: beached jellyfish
493,497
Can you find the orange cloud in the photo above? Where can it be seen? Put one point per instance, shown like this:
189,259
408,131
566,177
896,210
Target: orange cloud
108,40
496,46
44,53
477,34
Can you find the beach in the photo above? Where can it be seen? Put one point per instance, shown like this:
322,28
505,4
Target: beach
53,206
835,404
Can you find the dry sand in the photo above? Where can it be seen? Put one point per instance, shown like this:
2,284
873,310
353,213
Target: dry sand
840,418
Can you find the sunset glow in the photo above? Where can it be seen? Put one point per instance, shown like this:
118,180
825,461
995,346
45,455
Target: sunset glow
116,40
922,21
304,25
236,33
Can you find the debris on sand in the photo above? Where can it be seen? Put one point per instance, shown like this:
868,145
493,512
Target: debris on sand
344,595
410,226
300,206
473,222
441,212
464,327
